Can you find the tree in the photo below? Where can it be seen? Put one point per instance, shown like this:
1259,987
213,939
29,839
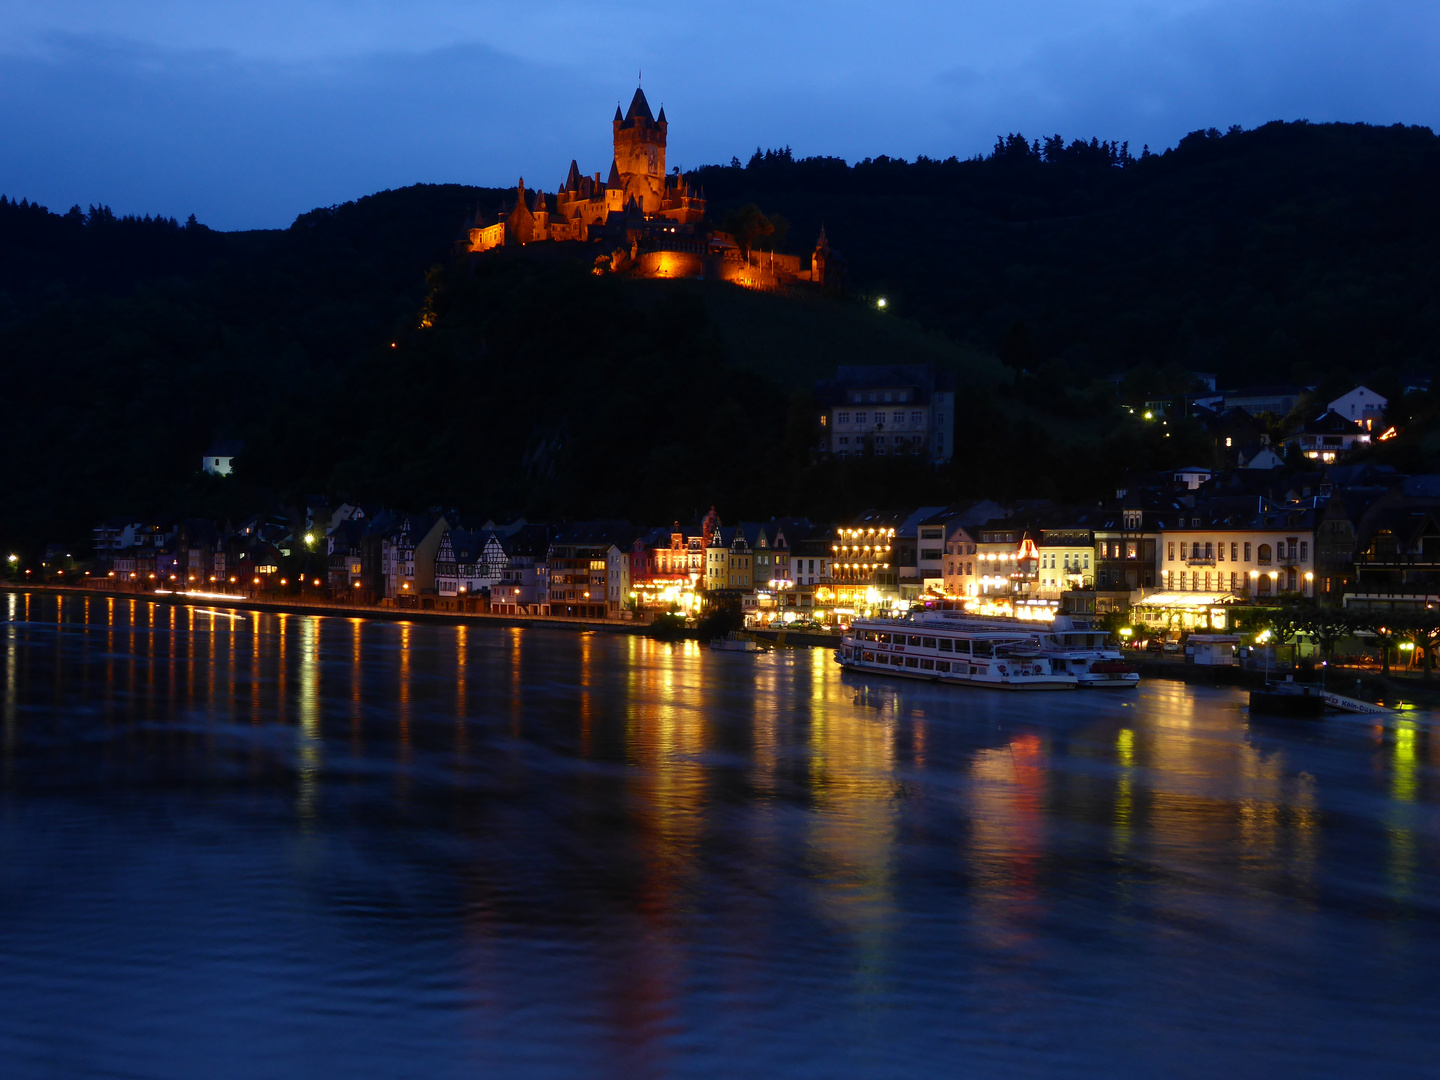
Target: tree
1381,626
1326,625
1423,628
1285,623
1018,351
747,225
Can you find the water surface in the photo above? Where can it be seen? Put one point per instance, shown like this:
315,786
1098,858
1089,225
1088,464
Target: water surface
243,845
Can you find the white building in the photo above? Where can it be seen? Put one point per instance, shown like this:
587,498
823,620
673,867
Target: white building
901,409
1362,405
219,459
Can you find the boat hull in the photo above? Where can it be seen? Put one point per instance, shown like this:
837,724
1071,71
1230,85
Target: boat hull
1000,682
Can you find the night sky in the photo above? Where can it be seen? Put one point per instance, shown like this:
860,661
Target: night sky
247,113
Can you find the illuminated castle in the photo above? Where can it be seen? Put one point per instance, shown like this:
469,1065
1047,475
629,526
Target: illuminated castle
646,222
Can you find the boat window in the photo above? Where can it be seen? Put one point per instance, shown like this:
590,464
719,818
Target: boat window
929,643
942,665
944,644
984,648
870,656
914,639
928,665
896,660
962,646
885,639
912,661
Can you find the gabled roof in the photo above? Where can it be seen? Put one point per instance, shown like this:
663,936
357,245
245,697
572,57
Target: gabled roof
1331,423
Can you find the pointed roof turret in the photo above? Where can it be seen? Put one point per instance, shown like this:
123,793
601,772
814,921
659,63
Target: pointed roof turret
640,107
572,180
661,118
822,244
614,179
618,117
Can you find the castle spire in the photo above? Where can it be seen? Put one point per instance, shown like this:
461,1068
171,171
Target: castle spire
639,107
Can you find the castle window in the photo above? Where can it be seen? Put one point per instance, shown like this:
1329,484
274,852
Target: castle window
844,440
860,418
898,418
917,417
879,440
843,418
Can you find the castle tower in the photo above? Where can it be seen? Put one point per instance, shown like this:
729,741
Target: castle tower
640,153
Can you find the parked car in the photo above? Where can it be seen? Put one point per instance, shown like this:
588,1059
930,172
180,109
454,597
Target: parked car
1174,647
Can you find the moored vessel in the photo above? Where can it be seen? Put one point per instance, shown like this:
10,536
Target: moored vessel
1073,644
956,655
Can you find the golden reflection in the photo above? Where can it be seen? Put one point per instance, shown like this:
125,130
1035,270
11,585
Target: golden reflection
1403,854
255,670
853,786
517,700
308,739
404,689
1006,835
1124,790
461,658
356,682
1404,783
281,666
12,677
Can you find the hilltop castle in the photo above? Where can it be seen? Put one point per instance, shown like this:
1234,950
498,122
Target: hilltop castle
645,222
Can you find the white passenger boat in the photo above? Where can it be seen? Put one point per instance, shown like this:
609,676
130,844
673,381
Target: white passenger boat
965,656
1072,643
734,641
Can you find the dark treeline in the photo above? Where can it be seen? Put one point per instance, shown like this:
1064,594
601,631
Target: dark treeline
128,344
1283,253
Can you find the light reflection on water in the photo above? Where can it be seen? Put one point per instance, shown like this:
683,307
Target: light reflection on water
273,845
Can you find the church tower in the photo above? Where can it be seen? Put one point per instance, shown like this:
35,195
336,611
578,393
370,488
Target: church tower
640,154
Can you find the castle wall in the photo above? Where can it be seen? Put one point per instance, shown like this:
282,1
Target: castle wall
670,264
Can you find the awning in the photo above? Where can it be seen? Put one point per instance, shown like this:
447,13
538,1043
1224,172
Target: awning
1187,599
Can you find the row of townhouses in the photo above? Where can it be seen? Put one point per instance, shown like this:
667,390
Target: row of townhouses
1178,551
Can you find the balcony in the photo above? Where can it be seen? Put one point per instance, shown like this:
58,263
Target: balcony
1200,560
1399,561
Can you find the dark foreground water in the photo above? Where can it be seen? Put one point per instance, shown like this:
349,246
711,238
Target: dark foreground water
239,845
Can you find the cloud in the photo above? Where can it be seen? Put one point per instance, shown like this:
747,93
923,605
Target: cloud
248,114
247,143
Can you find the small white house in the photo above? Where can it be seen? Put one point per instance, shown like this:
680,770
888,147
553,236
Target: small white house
1361,405
1192,476
219,458
1213,650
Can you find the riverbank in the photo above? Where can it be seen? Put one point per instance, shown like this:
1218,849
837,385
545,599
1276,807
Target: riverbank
1358,683
351,611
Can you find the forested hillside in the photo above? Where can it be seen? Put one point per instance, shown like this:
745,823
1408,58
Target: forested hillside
1291,251
126,345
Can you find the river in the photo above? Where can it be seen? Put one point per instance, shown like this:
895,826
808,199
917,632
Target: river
236,844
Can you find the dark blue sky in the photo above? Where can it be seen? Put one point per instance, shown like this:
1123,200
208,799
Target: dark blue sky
247,113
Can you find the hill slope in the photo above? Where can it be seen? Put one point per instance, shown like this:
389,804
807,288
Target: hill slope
1293,251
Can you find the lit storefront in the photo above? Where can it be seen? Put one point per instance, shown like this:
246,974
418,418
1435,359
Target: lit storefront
1176,611
667,593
